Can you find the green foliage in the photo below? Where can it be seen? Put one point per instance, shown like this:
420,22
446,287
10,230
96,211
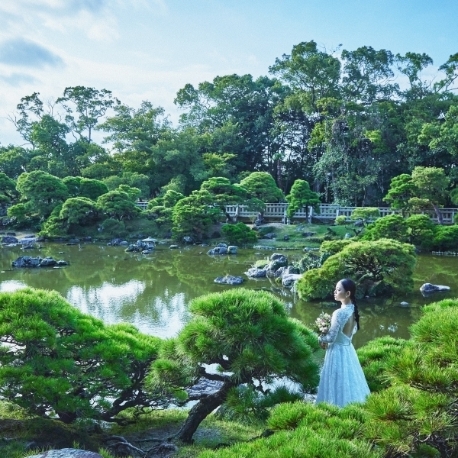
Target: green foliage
247,405
301,196
446,238
89,104
389,227
131,179
85,187
431,185
340,220
118,205
7,189
113,228
416,415
56,360
239,234
330,247
401,190
235,323
21,218
41,192
310,260
249,337
262,186
167,200
376,356
421,231
194,216
78,211
365,214
305,430
378,267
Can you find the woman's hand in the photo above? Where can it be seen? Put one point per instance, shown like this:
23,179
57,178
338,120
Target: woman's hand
324,345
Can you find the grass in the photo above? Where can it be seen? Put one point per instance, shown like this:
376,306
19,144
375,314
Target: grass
293,236
18,430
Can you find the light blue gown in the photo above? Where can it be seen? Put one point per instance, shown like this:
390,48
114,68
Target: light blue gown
342,379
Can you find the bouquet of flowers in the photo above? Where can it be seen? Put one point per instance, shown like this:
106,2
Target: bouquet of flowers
322,323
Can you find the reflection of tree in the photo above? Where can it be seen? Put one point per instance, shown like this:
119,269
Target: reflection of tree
440,270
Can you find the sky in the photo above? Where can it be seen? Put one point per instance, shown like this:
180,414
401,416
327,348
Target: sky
149,49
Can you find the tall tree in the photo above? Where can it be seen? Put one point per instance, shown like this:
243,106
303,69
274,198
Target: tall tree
89,104
367,75
235,113
431,184
301,196
311,73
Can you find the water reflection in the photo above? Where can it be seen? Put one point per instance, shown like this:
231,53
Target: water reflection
153,292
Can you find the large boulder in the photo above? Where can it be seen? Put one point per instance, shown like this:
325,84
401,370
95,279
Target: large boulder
222,248
288,280
229,280
7,239
428,288
255,272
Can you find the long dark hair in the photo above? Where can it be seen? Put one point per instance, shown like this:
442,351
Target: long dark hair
350,286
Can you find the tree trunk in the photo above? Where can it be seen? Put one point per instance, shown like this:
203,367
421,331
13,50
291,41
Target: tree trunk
440,220
199,412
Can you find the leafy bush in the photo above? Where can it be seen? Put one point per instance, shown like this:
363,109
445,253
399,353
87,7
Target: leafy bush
389,227
375,357
365,214
446,238
417,415
57,361
421,231
340,220
378,267
309,431
239,234
113,228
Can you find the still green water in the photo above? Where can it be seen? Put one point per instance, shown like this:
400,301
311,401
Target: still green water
153,291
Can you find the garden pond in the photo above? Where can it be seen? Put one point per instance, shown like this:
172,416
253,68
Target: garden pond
153,291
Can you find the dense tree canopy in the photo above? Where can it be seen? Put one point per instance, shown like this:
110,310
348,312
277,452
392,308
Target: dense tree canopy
248,335
363,127
56,360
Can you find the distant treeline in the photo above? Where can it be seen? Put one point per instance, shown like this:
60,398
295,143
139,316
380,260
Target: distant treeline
347,122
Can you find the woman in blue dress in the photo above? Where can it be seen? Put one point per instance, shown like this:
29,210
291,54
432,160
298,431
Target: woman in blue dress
342,379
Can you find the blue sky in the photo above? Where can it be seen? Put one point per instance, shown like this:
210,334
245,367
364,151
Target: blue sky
149,49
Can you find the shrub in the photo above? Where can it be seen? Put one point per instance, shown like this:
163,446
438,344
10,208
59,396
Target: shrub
366,214
57,361
416,415
113,228
446,238
239,234
421,231
306,430
375,358
389,227
340,220
378,267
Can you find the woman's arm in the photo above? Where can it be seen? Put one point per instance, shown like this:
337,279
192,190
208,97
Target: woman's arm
331,335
